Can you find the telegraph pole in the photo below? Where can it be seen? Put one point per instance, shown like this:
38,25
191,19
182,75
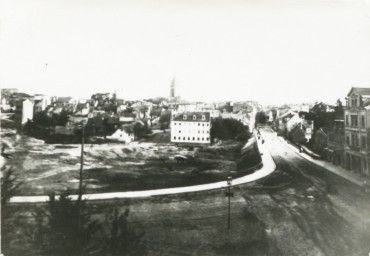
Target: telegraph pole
229,194
82,160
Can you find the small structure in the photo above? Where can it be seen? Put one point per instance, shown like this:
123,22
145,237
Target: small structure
123,134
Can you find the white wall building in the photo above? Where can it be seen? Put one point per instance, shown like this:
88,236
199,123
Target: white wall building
122,134
27,111
191,128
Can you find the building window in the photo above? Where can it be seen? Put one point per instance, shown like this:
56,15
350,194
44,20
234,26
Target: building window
203,117
188,138
207,138
183,138
198,124
354,140
347,140
354,102
347,123
179,123
363,142
174,138
354,120
193,138
194,117
363,121
184,117
207,131
174,123
198,138
202,124
202,138
179,131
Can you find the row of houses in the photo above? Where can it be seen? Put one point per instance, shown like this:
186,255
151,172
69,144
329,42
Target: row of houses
347,142
105,108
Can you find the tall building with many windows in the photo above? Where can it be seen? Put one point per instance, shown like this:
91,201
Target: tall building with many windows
191,128
357,130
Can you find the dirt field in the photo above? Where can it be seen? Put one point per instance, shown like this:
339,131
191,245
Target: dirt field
45,168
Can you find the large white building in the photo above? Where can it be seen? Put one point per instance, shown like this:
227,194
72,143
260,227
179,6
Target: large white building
191,128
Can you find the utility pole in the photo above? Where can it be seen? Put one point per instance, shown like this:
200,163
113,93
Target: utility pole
82,160
229,194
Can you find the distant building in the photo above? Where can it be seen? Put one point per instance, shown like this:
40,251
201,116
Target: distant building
123,134
357,130
320,144
41,102
191,128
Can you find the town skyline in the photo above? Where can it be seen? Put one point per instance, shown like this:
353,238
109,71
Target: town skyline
273,53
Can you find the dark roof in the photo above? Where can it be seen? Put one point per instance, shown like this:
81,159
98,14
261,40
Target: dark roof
189,117
359,90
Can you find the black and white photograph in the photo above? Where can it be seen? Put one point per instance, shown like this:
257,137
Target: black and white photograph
185,128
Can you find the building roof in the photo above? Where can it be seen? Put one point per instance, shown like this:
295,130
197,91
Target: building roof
193,117
64,99
359,90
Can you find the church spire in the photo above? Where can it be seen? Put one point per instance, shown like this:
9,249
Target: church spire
172,90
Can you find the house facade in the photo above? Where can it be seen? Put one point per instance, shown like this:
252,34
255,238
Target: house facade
335,147
191,128
357,130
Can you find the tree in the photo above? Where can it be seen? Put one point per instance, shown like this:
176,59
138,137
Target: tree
42,119
122,239
228,128
140,131
9,187
164,120
261,117
61,119
69,228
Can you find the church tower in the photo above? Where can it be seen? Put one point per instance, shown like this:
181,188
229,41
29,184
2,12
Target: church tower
172,89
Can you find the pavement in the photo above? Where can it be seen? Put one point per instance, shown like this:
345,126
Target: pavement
338,170
267,168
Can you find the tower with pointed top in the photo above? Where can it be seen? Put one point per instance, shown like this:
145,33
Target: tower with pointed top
172,89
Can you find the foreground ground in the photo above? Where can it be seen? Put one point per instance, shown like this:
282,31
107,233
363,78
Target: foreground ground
300,209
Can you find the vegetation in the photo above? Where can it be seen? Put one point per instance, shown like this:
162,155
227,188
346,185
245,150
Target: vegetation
141,130
229,129
261,117
69,228
121,239
322,117
9,187
164,120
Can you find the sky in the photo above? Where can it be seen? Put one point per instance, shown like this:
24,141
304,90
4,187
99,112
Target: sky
270,51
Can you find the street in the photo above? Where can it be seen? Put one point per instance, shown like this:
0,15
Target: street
333,213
